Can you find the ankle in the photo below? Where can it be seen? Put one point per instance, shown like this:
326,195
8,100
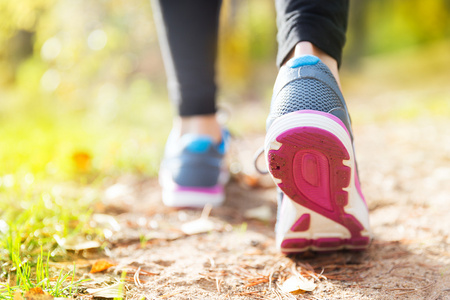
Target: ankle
200,124
304,48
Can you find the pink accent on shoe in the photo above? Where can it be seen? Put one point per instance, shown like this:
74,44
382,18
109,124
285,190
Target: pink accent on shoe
218,189
310,166
302,223
295,244
312,177
321,191
358,187
324,244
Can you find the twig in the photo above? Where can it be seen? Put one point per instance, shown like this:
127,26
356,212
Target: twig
247,293
417,289
142,272
259,281
274,290
169,295
270,279
131,279
211,262
136,278
206,211
408,277
218,284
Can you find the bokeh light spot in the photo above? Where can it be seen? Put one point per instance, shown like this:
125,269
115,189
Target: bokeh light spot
97,39
50,80
51,49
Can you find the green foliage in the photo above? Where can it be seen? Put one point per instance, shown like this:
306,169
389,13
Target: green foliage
390,25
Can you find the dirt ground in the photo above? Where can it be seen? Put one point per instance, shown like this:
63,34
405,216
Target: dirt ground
405,175
404,166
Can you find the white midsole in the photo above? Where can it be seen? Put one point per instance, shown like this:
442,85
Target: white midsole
173,197
191,199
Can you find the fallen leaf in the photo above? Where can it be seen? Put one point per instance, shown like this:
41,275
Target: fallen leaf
76,243
250,180
298,285
263,213
36,294
118,191
36,291
111,291
198,226
106,221
101,265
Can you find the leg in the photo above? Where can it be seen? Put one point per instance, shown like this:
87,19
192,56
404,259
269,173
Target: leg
308,145
187,33
323,23
312,27
191,173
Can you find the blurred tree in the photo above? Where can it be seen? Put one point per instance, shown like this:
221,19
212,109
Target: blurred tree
88,55
357,31
388,25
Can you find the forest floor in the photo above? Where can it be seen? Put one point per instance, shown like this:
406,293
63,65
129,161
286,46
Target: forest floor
402,129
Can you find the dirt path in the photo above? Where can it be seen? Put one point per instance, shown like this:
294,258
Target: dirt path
405,174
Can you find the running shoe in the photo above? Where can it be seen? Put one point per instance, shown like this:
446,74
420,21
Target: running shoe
310,155
192,173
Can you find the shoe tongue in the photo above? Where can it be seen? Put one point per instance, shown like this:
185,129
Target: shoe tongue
304,60
197,143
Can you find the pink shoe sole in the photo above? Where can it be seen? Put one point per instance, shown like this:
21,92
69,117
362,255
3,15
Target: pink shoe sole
314,169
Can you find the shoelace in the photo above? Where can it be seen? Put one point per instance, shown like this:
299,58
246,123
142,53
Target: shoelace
255,161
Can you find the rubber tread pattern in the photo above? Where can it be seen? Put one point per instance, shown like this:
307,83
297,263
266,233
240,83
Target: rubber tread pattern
324,195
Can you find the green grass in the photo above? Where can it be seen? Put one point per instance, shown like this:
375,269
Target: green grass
37,275
25,275
54,166
30,219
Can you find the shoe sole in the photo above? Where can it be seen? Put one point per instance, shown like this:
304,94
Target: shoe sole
310,157
193,197
174,195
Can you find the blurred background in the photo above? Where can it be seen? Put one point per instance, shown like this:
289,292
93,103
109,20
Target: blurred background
82,85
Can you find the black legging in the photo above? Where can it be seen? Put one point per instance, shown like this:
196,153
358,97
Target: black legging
188,32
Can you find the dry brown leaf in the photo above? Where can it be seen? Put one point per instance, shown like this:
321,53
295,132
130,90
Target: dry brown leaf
297,285
250,180
82,161
37,294
101,265
36,290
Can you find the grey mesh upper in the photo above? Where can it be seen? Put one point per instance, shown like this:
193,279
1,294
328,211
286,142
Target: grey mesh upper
307,87
194,161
